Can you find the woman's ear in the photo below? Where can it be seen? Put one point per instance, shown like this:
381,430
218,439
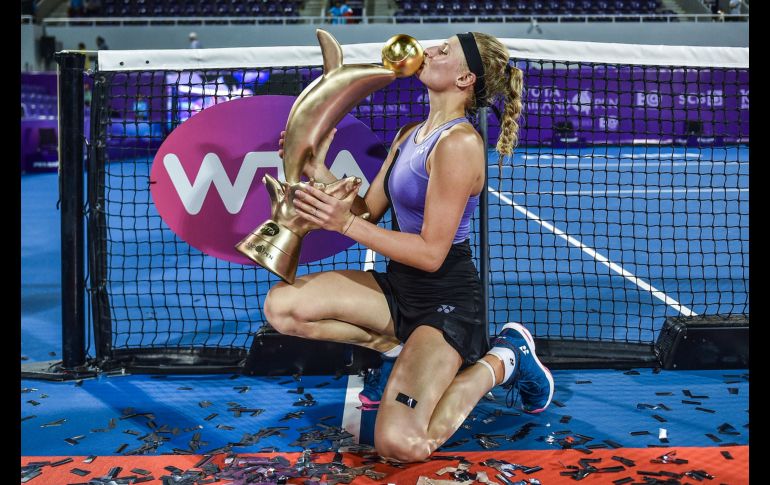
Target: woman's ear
465,80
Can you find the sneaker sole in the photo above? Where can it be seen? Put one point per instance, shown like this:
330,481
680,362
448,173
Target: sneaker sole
531,342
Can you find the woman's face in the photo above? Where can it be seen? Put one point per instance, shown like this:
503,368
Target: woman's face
443,65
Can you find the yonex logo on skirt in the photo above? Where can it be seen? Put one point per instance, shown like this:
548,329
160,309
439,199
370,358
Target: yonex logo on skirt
445,309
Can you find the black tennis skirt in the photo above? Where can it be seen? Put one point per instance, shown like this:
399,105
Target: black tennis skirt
448,300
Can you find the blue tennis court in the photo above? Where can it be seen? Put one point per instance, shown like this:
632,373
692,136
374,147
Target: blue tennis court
596,244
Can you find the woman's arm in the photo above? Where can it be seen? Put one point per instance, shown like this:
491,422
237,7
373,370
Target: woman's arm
457,164
375,197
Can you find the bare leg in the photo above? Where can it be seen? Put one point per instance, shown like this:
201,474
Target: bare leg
426,371
338,306
460,398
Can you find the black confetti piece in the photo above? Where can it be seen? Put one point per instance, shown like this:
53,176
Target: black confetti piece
622,481
624,461
61,462
705,410
666,393
454,444
203,461
90,459
210,416
714,438
583,382
558,403
140,471
651,474
639,433
733,390
727,428
660,418
29,476
58,422
685,401
727,455
631,373
565,419
78,471
184,388
665,473
611,469
121,448
28,417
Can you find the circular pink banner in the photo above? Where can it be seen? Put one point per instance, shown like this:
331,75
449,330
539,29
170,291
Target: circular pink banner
206,179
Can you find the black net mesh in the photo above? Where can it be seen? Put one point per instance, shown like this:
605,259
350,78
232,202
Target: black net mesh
626,203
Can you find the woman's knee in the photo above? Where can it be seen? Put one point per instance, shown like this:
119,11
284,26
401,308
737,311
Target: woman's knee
278,309
399,445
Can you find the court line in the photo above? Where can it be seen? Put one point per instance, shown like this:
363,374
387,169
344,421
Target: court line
598,257
618,163
546,156
351,414
631,191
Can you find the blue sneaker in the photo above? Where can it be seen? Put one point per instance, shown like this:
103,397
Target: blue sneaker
374,383
530,377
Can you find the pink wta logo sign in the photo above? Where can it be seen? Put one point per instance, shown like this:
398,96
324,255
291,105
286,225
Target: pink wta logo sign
207,175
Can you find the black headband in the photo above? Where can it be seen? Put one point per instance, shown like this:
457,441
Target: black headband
473,58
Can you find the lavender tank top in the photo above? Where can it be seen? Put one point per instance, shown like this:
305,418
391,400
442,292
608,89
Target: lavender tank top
406,184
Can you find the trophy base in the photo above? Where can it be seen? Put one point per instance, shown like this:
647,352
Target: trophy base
273,247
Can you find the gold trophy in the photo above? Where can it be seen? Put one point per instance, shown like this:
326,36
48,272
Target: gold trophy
276,243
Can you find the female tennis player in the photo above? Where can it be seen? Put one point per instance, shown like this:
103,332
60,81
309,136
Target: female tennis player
426,309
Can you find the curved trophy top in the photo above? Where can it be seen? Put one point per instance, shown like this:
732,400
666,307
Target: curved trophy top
323,104
403,55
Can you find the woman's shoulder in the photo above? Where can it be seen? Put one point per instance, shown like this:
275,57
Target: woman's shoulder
456,146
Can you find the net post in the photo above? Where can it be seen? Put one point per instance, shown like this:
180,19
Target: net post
71,68
484,219
97,222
